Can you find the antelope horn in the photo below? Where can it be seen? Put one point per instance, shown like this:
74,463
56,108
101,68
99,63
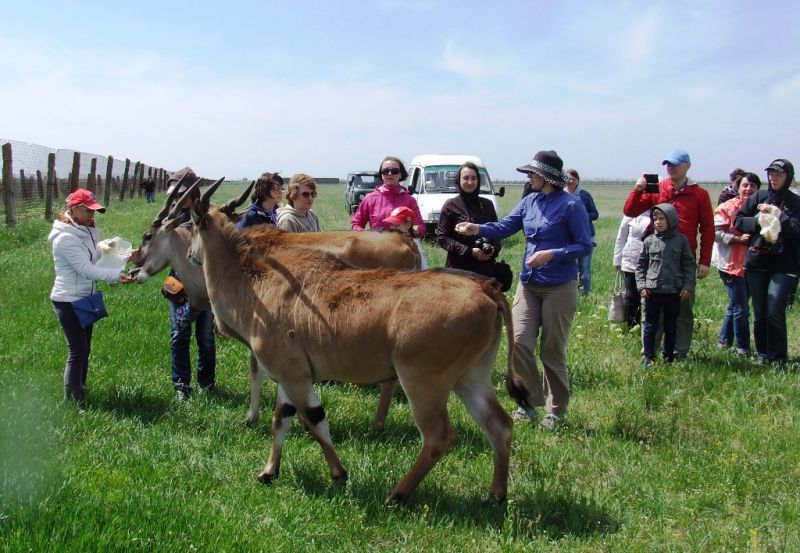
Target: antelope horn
176,207
231,205
168,203
205,199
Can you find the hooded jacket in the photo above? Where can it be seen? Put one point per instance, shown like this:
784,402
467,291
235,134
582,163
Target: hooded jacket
75,253
786,256
257,215
289,219
469,208
666,264
378,205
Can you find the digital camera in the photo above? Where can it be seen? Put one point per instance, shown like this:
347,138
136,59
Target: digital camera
484,245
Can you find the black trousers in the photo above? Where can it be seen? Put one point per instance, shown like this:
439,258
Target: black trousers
79,342
654,306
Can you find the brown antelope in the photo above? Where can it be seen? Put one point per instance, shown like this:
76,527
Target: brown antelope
308,316
167,241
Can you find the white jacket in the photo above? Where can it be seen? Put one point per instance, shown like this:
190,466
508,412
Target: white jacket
629,241
75,252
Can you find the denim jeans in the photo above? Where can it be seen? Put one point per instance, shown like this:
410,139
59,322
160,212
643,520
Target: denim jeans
180,337
585,273
654,306
736,323
770,294
79,343
150,196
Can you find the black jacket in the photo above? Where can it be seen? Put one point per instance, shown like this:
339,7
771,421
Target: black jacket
781,257
458,246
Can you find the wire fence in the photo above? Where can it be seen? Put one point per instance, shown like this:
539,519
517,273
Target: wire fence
37,176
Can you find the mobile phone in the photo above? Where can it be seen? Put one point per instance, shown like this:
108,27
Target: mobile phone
651,186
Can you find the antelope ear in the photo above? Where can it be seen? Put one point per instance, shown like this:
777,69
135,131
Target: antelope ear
197,213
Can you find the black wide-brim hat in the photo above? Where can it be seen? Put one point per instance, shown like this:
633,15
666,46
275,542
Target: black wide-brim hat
547,165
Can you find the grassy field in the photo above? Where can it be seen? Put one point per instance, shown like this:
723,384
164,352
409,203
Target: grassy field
703,455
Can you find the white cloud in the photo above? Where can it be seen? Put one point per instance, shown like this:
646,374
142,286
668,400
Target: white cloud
471,67
786,90
638,42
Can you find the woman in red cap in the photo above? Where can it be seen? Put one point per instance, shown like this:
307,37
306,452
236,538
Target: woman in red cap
74,242
378,204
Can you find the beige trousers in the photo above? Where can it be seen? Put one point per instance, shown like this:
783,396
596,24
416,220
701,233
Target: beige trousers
548,310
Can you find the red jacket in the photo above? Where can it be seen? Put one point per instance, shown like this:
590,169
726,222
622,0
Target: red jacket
694,213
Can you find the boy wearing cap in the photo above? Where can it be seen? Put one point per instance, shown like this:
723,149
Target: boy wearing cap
695,215
182,316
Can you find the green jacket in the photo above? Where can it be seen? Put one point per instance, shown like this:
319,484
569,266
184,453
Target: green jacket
666,264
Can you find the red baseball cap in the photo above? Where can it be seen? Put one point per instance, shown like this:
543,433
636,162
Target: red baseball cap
84,197
399,215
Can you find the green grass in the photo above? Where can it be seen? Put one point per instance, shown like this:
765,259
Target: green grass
700,456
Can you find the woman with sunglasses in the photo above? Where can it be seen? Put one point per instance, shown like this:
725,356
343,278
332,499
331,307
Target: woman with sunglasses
75,253
298,215
379,204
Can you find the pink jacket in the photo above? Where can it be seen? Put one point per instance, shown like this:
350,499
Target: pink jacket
378,205
728,256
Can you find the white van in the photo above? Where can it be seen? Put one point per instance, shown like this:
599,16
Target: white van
432,181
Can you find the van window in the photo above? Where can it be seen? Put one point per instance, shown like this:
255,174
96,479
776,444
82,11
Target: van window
441,179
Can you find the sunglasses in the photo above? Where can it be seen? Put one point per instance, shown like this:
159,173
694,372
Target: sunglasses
308,194
390,171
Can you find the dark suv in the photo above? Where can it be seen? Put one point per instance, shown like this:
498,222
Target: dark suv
359,184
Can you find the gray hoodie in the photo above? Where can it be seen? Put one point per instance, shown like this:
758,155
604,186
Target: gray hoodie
666,264
75,252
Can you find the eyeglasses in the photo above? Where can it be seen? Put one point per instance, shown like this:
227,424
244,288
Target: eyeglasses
308,194
390,171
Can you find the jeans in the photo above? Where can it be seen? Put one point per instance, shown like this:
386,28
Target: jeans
633,301
654,306
770,294
180,320
736,323
585,273
79,342
150,196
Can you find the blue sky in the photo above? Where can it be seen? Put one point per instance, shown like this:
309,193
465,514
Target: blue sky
329,87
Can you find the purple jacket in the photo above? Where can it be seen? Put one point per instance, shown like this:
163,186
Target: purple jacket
378,205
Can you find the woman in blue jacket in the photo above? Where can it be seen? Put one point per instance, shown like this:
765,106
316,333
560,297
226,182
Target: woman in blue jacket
557,233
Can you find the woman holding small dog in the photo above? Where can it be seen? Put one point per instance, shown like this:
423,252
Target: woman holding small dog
75,252
771,262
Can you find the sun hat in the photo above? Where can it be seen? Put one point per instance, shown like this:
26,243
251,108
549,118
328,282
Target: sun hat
676,157
175,177
547,165
84,197
400,215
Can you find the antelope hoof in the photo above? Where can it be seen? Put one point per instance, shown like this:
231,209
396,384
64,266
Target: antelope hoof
266,478
250,419
377,425
496,498
341,479
395,499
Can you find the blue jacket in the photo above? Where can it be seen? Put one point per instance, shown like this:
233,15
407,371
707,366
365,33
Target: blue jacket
257,215
588,203
555,221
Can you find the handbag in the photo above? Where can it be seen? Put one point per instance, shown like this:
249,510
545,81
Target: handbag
616,311
173,290
504,275
90,309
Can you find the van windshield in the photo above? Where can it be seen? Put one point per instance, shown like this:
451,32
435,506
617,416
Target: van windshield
441,179
365,181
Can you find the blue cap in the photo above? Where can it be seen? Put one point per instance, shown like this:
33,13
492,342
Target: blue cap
676,157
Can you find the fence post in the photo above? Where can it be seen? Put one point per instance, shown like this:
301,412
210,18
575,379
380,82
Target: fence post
39,184
55,182
22,186
8,191
108,181
124,180
76,172
91,184
48,197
